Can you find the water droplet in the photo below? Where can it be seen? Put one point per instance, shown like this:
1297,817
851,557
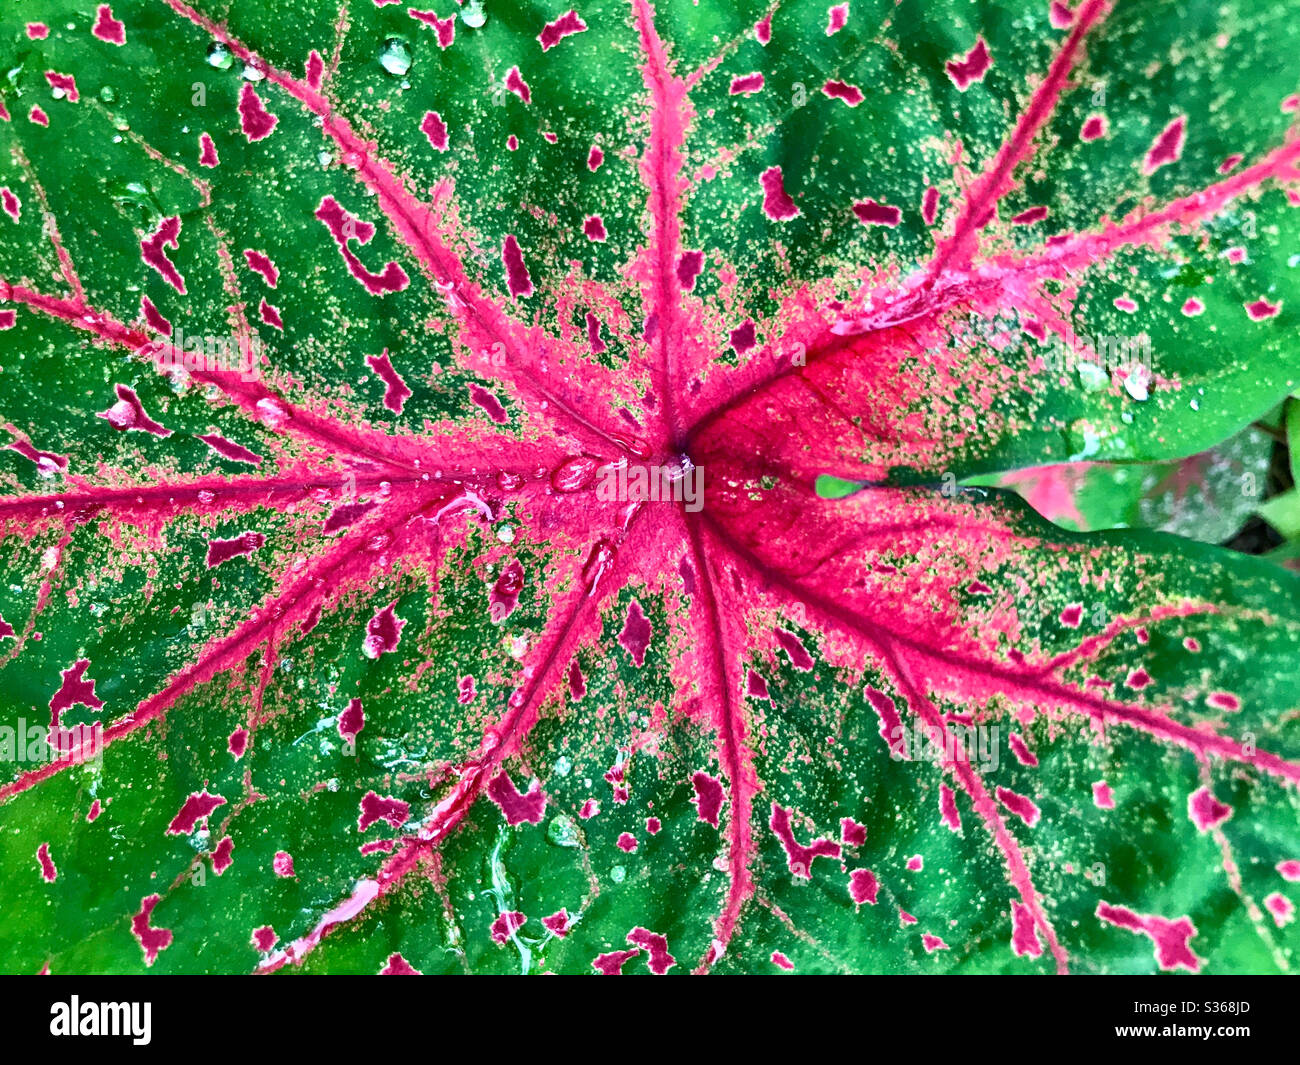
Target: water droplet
395,56
563,831
473,15
563,766
506,534
508,481
206,496
598,564
574,474
252,73
618,874
324,158
219,56
272,412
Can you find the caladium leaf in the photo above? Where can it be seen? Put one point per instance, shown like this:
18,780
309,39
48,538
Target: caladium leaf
1207,496
344,347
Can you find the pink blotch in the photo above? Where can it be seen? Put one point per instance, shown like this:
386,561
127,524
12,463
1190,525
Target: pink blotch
395,391
207,151
594,340
837,17
590,809
1138,679
221,856
1102,795
1205,810
565,26
932,943
1261,309
264,938
220,551
352,720
255,120
1024,937
1023,754
152,940
269,313
435,129
237,742
1193,307
1072,615
594,158
970,68
37,31
948,812
1291,104
1171,938
65,83
799,857
904,917
344,228
383,631
852,834
635,636
1235,255
375,807
46,460
315,70
48,870
516,84
466,691
396,965
517,807
1125,304
930,205
487,400
443,28
746,84
1094,128
863,887
777,204
709,796
128,413
915,863
653,826
10,203
871,213
1231,163
800,659
611,964
1029,217
153,317
1019,805
506,925
193,810
260,263
517,277
1060,16
689,266
558,923
94,810
842,90
1192,643
107,28
755,685
577,682
743,337
512,143
1282,908
75,689
504,597
626,842
1289,870
1167,147
656,946
781,961
594,228
153,251
763,30
38,117
228,449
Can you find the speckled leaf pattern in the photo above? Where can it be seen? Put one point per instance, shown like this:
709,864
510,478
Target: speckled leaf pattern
411,530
